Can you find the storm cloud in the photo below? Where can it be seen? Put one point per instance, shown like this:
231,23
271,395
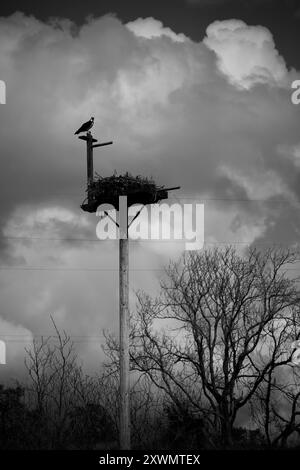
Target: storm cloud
214,117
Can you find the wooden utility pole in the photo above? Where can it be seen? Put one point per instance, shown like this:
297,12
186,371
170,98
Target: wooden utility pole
89,159
89,155
124,334
124,390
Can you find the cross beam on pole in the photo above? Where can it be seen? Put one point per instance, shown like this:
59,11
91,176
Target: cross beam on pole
124,335
102,145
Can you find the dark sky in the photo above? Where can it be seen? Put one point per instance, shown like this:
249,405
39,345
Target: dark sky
190,17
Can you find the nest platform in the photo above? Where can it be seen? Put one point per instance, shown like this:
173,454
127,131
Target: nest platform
138,189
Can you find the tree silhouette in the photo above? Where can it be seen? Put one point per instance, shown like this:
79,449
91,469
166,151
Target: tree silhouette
223,323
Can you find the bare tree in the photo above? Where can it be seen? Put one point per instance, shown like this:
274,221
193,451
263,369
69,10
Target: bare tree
73,409
276,403
55,376
221,325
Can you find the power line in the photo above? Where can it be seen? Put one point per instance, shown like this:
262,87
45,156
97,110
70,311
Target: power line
50,268
199,198
15,338
29,340
78,269
39,335
131,240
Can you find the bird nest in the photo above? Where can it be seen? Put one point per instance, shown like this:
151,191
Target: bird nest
138,189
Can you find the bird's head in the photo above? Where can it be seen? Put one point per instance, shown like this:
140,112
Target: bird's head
92,119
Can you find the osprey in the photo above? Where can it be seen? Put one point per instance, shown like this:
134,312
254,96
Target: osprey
86,126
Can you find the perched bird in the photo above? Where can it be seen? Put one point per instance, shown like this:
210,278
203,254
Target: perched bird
86,126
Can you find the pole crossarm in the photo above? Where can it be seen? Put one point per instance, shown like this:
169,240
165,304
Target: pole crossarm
88,137
129,225
102,145
110,217
136,215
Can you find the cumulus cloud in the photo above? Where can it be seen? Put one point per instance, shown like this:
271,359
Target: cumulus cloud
214,117
246,54
150,28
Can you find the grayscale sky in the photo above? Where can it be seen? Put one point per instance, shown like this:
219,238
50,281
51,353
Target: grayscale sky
193,93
